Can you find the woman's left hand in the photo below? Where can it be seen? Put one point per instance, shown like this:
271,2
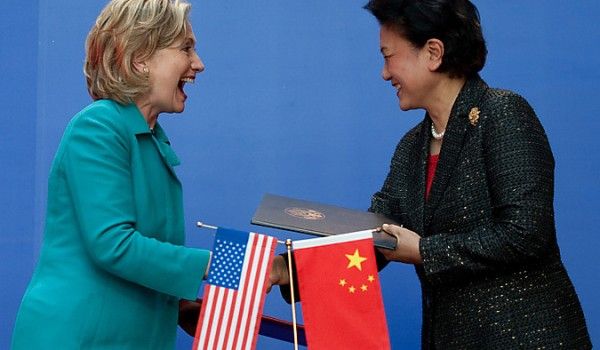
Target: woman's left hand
189,311
279,273
407,247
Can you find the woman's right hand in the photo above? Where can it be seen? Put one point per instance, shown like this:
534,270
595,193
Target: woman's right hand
279,272
407,247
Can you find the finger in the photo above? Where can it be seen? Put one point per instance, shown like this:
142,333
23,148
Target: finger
391,229
387,254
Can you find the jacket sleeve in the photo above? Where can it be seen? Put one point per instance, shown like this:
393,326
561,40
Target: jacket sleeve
386,201
519,169
96,165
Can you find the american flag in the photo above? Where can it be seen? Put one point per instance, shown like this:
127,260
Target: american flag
235,291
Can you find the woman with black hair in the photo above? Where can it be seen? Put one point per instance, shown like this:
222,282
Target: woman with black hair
472,184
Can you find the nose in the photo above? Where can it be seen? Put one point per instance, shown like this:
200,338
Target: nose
385,74
197,64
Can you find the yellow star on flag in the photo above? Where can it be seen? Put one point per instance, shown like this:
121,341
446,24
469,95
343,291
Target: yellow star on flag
355,260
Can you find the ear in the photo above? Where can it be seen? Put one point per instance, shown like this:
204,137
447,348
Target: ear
139,65
435,53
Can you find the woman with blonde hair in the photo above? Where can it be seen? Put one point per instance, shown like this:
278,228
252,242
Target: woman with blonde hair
113,268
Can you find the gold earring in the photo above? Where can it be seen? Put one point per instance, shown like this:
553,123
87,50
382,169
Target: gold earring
145,69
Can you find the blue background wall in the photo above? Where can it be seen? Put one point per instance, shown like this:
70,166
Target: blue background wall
292,103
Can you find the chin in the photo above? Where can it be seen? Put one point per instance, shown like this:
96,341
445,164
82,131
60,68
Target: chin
178,109
404,107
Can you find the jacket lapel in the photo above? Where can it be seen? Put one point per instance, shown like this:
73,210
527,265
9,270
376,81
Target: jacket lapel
164,147
416,182
458,125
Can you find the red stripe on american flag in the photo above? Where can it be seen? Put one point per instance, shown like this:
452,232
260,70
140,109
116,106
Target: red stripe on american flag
259,290
249,292
229,320
233,340
204,321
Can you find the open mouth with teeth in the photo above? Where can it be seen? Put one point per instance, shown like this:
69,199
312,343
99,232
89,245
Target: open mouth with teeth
182,82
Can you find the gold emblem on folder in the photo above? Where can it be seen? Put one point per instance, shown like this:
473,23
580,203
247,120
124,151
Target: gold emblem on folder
305,213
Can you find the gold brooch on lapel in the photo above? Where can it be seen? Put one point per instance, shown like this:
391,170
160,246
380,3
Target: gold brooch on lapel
474,116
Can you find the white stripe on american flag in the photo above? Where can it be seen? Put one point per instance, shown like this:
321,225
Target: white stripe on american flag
227,324
239,300
241,293
234,321
224,322
249,292
223,327
208,299
216,318
260,286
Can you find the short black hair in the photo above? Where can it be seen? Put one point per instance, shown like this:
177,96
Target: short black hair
454,22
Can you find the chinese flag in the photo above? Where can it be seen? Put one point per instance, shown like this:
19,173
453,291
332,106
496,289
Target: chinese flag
341,297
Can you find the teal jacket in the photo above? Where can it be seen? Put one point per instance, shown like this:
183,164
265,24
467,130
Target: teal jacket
112,266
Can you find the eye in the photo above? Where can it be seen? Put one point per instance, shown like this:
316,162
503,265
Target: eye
188,49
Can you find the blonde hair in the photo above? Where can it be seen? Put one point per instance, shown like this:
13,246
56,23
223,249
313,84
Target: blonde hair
128,31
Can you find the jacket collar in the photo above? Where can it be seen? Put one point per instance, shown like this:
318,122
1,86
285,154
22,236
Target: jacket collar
138,126
137,123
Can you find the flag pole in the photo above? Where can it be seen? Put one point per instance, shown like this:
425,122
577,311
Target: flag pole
203,225
200,224
288,244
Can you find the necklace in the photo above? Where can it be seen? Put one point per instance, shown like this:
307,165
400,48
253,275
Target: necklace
435,134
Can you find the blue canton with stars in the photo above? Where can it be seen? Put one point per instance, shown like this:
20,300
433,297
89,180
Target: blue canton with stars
227,259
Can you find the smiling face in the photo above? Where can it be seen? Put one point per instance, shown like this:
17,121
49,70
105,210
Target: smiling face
169,69
407,67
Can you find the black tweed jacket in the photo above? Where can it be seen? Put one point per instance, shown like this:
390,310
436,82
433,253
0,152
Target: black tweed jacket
492,276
